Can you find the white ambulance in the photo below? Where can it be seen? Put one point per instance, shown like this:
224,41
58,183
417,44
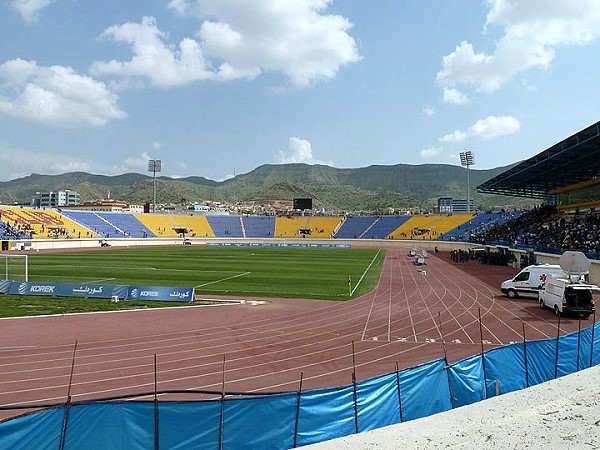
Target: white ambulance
529,280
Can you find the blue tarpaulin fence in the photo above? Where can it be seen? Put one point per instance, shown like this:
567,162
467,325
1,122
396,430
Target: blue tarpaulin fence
290,419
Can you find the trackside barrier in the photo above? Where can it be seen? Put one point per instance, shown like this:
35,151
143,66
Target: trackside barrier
159,293
289,419
276,244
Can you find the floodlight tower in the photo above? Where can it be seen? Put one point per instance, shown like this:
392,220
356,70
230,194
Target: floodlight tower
154,165
466,159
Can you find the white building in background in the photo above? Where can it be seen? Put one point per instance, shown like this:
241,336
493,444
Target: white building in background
449,205
445,205
111,205
56,199
68,198
460,206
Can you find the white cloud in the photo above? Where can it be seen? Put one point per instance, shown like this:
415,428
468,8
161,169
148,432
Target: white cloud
182,7
238,39
18,162
55,95
30,9
429,111
430,152
484,130
163,65
300,152
225,177
533,29
179,166
455,97
456,136
528,85
137,163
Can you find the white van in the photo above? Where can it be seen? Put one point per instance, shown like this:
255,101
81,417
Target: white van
528,281
566,297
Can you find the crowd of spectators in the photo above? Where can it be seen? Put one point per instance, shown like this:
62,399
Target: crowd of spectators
479,224
543,229
7,231
461,255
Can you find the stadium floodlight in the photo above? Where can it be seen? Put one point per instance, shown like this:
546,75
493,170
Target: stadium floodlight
154,165
467,159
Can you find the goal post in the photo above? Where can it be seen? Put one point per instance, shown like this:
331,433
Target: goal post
14,267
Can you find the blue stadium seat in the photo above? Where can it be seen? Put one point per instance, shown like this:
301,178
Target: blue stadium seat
384,226
259,226
226,226
354,226
478,224
127,224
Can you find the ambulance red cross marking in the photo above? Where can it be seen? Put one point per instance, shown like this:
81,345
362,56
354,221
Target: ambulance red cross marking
543,277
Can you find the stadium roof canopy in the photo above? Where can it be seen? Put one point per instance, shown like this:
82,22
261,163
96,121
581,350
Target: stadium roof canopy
573,160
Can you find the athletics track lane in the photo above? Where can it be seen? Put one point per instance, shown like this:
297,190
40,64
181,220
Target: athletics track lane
266,347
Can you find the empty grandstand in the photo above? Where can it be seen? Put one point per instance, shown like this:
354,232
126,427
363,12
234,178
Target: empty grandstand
226,226
108,224
258,226
429,226
383,226
166,225
290,226
322,227
354,226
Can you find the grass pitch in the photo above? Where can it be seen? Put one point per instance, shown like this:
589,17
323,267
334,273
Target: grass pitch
292,272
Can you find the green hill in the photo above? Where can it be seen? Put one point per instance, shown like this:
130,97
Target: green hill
362,189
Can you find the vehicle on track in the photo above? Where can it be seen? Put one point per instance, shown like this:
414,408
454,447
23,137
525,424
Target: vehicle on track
566,297
528,281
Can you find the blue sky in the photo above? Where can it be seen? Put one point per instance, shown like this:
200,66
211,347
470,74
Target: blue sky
217,87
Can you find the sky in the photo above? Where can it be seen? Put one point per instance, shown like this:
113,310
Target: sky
215,88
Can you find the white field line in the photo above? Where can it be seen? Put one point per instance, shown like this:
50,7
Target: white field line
100,280
224,279
162,269
365,272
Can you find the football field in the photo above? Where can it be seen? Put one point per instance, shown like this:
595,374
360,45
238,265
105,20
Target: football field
290,272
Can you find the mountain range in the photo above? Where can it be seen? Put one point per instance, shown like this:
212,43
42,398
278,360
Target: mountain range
371,188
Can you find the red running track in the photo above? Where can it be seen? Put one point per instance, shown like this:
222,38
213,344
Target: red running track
266,347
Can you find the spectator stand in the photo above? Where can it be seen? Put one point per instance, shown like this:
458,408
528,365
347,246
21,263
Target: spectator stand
259,226
383,227
542,229
355,226
226,226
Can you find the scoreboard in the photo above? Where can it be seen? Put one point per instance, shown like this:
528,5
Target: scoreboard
302,203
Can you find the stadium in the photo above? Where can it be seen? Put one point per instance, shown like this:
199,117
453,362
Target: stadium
262,357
